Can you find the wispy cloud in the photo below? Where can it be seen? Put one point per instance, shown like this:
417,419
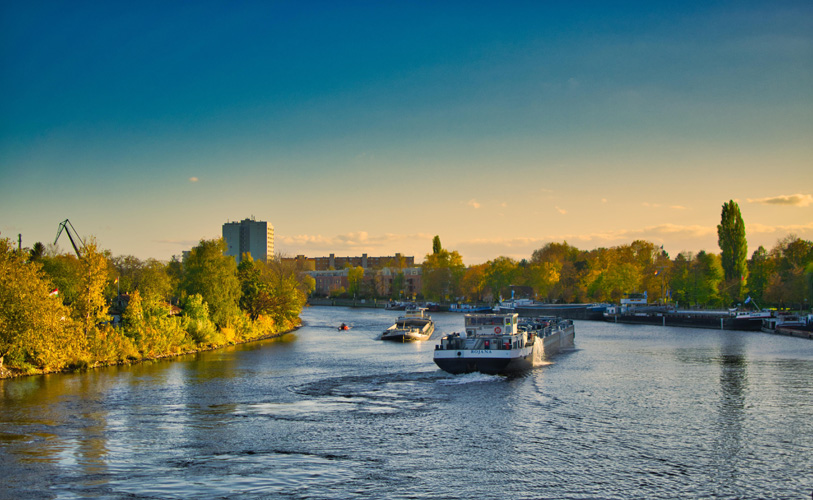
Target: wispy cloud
561,210
798,229
678,207
796,200
193,179
360,241
473,203
184,244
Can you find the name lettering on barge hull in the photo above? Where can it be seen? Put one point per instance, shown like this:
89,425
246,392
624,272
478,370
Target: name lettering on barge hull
481,351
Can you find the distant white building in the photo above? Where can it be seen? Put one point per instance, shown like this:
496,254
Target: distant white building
249,236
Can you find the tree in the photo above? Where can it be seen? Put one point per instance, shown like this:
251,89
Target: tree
256,293
557,260
35,327
127,269
436,247
213,275
441,274
398,283
543,276
37,252
154,282
788,284
734,247
500,274
760,268
354,277
709,275
64,272
289,291
90,308
473,284
681,279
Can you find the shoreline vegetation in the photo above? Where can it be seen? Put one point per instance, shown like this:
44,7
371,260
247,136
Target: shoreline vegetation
60,312
63,313
6,373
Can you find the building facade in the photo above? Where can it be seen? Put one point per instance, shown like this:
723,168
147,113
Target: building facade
332,262
381,281
249,236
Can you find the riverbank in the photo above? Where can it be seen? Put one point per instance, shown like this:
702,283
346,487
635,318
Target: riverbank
10,373
567,311
372,304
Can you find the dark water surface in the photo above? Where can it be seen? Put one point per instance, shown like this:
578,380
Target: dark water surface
632,412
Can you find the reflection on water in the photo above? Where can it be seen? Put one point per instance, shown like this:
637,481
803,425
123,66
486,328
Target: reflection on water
632,412
733,389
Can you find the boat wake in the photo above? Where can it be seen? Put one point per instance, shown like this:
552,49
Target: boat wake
470,378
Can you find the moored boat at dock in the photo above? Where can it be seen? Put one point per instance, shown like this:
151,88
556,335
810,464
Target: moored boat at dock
414,325
634,309
796,325
469,308
501,344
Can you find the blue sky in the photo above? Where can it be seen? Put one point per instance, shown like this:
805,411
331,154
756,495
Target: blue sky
369,127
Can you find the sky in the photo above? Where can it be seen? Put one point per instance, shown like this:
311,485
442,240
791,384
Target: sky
371,127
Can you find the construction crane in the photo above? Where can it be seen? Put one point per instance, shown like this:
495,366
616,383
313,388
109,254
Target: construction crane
66,226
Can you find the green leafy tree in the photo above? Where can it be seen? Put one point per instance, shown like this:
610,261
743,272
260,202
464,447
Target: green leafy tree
760,268
436,246
175,272
560,261
500,274
133,320
681,283
442,272
788,285
709,274
91,307
197,321
213,275
473,283
36,329
398,284
289,291
37,252
127,268
64,271
734,248
355,275
543,276
623,278
154,282
256,298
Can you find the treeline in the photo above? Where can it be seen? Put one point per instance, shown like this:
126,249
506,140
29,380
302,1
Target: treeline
57,311
559,272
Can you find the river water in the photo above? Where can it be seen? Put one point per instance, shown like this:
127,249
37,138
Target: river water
632,412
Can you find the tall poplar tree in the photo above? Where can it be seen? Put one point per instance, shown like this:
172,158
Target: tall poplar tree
733,246
436,247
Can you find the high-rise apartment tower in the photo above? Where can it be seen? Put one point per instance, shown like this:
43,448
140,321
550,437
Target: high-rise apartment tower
249,236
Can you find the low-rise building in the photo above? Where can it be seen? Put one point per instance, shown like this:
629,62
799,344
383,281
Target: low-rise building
381,281
366,262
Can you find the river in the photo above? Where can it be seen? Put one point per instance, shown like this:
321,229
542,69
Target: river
631,412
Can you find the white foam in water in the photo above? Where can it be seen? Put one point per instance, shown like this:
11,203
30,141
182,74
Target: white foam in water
470,378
